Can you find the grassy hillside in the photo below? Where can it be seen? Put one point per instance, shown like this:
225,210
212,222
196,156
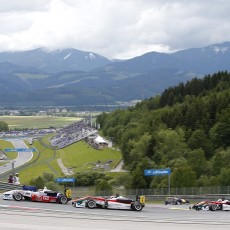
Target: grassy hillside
186,129
6,144
79,157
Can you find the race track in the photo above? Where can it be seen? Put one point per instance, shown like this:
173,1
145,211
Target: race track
21,159
30,215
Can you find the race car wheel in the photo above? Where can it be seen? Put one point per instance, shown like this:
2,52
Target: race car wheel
213,207
137,206
63,200
91,204
18,196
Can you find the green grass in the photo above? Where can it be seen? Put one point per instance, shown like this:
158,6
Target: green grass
30,122
76,156
6,144
43,164
81,157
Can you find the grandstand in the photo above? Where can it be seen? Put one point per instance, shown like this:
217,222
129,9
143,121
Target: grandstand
72,133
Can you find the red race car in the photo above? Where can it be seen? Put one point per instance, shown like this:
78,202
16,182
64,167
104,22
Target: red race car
221,204
114,202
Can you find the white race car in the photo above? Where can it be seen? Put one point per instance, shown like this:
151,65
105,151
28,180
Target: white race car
118,202
42,195
26,193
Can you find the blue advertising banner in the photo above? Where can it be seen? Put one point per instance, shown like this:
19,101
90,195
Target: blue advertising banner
20,150
59,180
157,172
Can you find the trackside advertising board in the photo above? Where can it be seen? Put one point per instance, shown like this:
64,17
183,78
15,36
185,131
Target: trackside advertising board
157,172
20,150
59,180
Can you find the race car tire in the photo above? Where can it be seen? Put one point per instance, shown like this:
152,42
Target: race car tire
91,204
137,206
174,202
18,196
213,207
62,200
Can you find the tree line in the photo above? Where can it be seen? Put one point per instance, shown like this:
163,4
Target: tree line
3,126
186,128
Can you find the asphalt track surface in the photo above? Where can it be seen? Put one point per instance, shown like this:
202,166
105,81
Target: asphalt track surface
34,215
21,159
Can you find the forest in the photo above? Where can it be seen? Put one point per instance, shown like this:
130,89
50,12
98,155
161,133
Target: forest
186,129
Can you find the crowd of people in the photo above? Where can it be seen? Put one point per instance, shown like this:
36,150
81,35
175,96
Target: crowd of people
71,134
92,143
27,133
14,179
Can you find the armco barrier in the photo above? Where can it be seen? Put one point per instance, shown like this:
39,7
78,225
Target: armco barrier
6,186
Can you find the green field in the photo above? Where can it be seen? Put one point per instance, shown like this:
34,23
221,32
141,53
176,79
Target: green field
31,122
78,157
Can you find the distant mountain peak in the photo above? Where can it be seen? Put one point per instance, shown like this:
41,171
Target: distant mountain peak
218,48
31,77
90,56
56,60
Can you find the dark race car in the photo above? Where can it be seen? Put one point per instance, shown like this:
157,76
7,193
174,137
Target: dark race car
175,200
42,195
113,202
221,204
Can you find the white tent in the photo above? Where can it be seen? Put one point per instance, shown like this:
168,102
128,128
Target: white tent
99,140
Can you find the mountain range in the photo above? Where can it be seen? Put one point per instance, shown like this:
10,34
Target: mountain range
73,77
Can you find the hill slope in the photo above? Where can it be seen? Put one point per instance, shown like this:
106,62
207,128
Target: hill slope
186,128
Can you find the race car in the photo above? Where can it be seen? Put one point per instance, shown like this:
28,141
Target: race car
220,204
175,200
113,202
25,191
42,195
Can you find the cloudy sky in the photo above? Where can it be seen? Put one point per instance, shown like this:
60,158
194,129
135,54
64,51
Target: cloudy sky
113,28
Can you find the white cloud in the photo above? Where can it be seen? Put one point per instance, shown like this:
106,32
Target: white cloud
113,28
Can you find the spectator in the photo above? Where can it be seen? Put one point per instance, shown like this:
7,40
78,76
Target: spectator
16,179
10,179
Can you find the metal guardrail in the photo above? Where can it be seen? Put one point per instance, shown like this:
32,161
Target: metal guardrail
7,186
193,192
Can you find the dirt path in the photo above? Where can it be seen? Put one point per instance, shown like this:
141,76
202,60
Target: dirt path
119,168
63,168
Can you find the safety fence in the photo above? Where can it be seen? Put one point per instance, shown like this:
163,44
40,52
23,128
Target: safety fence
191,191
8,186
